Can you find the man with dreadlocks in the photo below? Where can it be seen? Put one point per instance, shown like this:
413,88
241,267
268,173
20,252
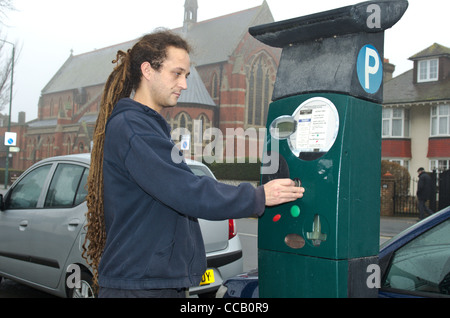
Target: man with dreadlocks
142,239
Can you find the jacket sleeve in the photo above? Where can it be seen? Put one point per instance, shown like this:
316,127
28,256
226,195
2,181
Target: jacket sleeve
149,162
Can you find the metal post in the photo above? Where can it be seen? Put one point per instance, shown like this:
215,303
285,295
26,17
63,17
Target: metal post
10,107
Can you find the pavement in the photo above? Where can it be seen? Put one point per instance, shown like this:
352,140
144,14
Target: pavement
392,225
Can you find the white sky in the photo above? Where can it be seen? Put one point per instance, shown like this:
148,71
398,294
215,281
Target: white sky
45,31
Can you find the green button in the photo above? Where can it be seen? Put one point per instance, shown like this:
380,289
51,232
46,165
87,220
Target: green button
295,211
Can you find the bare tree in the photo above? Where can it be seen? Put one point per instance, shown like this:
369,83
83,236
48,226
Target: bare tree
6,55
5,7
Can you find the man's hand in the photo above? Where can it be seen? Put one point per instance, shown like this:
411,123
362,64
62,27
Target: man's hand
280,191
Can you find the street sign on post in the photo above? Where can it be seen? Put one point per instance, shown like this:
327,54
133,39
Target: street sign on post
10,139
325,121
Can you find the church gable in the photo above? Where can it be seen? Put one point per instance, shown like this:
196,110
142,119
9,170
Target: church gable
216,39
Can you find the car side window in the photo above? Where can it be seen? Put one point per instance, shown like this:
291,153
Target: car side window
82,191
65,188
423,265
26,193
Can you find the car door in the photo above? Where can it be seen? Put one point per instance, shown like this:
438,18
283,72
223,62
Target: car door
16,220
57,224
215,233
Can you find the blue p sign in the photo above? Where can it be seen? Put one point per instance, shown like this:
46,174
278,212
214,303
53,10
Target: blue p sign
370,69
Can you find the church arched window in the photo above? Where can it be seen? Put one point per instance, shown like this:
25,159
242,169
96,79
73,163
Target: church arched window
259,91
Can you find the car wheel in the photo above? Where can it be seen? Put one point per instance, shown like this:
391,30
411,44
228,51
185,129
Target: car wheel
85,290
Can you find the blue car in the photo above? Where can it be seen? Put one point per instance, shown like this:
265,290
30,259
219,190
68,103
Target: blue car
415,263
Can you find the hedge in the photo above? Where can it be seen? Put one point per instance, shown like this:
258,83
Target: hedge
247,171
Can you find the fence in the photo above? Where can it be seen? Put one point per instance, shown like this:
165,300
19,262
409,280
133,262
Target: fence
405,202
444,190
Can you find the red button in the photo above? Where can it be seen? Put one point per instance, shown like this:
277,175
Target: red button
276,218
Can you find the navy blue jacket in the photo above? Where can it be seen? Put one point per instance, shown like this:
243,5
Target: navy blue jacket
424,187
151,205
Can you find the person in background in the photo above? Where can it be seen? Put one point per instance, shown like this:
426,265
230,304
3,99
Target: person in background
424,192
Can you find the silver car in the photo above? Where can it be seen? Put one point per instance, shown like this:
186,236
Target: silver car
42,222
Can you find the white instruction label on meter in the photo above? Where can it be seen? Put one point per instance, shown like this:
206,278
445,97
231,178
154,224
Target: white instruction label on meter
312,128
317,126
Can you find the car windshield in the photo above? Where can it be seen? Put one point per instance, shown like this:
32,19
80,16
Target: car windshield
26,193
423,265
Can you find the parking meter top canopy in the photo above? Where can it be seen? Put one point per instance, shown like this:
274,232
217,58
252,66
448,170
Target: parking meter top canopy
320,50
337,22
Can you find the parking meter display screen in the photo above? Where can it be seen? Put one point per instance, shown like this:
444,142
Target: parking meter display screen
317,123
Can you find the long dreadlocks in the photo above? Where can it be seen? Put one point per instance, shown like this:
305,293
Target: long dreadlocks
125,78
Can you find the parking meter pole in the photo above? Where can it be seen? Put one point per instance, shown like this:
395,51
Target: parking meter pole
324,128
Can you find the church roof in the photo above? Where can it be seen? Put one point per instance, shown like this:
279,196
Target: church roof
196,92
85,70
93,68
215,40
212,41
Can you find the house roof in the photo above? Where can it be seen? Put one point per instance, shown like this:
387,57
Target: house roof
434,50
401,89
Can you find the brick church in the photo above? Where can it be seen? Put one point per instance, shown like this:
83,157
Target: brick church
230,86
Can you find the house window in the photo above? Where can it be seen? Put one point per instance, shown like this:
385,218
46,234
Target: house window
440,120
427,70
439,164
395,123
401,162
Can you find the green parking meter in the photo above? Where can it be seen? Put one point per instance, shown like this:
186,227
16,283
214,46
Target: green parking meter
324,132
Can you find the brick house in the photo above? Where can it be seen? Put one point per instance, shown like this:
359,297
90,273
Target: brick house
416,113
230,86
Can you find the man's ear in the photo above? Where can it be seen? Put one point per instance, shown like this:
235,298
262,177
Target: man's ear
146,70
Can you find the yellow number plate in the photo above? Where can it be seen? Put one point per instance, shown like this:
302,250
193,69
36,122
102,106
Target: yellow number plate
208,277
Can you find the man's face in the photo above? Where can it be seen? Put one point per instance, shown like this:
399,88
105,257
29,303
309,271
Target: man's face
166,84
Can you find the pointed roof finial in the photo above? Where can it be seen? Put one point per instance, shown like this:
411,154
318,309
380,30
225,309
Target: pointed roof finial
190,14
